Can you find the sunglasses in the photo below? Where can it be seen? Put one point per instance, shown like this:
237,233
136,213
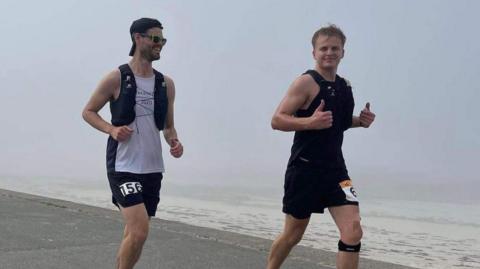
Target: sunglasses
155,38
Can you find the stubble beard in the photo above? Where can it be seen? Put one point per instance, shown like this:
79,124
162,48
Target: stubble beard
150,55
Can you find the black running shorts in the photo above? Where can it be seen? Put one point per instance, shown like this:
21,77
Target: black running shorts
130,189
310,190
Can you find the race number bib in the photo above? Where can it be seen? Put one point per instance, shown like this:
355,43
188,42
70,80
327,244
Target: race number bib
349,191
130,188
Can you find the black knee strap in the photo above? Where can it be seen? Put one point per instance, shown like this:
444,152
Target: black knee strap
344,247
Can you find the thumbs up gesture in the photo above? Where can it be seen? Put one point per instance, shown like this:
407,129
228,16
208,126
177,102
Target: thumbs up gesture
366,116
321,119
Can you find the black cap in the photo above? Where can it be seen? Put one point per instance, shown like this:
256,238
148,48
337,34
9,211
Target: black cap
141,26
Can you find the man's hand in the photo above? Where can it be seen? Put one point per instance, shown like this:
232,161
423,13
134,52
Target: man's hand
321,119
366,116
121,133
176,148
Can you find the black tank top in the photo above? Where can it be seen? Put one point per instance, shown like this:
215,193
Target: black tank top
323,148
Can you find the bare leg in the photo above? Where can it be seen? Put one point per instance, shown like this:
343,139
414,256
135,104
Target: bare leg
135,235
347,218
291,235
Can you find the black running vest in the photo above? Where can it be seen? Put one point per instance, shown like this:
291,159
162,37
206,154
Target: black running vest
323,148
122,109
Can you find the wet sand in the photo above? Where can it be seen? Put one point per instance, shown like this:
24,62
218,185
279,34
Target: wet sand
39,232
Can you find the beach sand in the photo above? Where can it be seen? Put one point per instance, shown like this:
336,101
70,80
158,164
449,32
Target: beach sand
39,232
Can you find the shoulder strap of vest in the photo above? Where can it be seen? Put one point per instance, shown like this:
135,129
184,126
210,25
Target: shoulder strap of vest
159,79
344,81
127,76
125,70
316,76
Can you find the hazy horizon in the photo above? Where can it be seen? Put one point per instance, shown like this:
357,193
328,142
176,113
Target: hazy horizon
415,62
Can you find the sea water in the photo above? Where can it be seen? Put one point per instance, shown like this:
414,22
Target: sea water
421,234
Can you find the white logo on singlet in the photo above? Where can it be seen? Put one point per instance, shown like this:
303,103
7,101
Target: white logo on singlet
144,101
130,187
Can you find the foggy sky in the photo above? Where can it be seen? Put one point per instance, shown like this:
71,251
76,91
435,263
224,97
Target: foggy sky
416,62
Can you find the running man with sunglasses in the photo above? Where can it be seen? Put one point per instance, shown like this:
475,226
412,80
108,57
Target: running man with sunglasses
141,103
318,106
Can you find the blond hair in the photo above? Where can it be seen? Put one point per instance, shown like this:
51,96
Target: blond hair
330,30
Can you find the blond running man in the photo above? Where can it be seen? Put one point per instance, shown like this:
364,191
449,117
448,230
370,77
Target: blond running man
318,106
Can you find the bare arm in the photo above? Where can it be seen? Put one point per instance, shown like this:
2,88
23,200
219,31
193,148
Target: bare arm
169,132
355,122
105,90
297,96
